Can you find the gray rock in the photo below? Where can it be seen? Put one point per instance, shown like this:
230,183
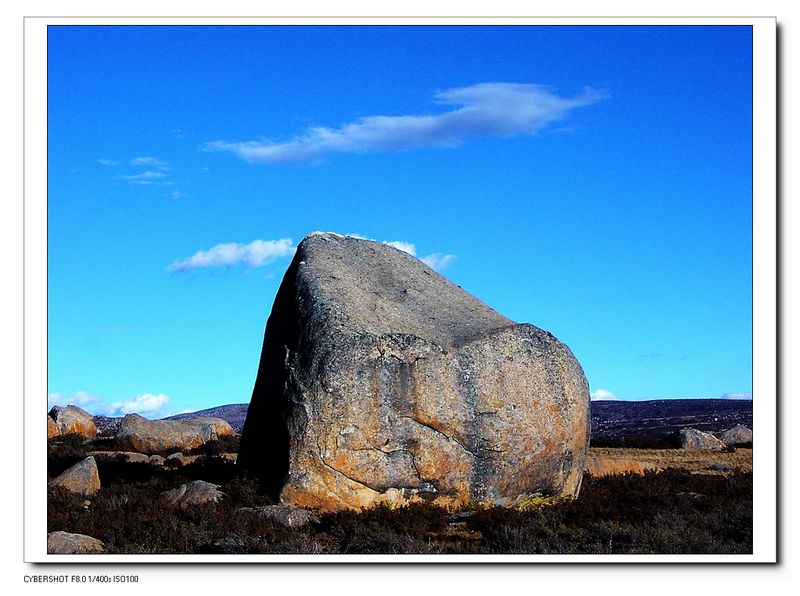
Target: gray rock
73,420
209,427
280,516
193,493
691,438
156,460
382,382
175,459
150,436
66,543
736,436
81,479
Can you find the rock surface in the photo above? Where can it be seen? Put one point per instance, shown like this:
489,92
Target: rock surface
122,456
193,493
72,420
66,543
82,478
691,438
209,427
737,435
382,382
52,428
151,436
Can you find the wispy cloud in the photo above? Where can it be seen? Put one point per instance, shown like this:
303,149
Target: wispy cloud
147,177
79,398
602,395
487,110
738,395
107,162
150,162
255,254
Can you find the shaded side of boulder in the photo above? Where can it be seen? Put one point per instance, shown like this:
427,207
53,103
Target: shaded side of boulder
193,493
151,436
81,479
691,438
72,420
382,382
52,428
280,516
737,435
209,427
67,543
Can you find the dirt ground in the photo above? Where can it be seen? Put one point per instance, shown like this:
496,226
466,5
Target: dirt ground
604,461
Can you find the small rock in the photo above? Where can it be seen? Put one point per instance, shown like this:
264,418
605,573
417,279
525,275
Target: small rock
194,493
175,459
82,478
156,460
281,516
691,438
736,436
721,467
72,420
66,543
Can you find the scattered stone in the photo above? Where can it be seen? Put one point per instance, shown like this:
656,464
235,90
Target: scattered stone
72,420
280,516
151,436
156,460
82,478
737,435
66,543
209,427
194,493
382,382
175,459
691,438
52,428
721,468
125,456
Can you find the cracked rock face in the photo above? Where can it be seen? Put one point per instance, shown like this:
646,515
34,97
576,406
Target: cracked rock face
382,382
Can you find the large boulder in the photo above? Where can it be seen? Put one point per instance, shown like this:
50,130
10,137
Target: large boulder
691,438
81,479
382,382
67,543
151,436
209,427
737,435
72,420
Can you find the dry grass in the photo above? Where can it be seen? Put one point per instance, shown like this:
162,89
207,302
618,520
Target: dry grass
694,461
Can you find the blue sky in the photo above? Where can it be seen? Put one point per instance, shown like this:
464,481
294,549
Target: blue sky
593,181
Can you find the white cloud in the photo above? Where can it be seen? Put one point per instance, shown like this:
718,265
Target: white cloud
487,110
738,395
255,254
438,261
404,246
79,398
602,394
107,162
150,162
147,404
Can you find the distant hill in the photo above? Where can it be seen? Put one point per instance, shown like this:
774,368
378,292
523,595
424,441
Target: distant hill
660,417
233,414
610,418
